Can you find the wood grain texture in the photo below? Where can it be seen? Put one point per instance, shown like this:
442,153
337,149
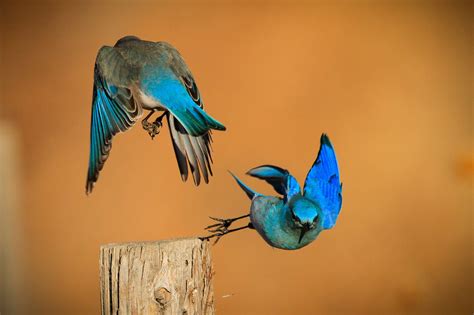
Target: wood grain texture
163,277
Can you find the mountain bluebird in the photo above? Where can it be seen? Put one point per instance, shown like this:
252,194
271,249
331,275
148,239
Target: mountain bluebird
295,219
137,75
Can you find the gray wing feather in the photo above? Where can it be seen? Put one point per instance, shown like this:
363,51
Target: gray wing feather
191,151
195,149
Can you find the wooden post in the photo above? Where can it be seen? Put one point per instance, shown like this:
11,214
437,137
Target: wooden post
164,277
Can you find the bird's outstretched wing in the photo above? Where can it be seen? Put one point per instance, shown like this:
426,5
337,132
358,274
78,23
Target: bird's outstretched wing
113,108
323,185
281,180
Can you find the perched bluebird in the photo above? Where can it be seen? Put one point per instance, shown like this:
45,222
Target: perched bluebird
295,219
137,75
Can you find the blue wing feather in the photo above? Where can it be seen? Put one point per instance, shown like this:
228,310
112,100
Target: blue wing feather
249,191
113,111
323,183
281,180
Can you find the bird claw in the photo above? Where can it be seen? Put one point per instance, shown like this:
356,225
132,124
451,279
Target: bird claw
221,228
152,128
218,229
216,235
222,225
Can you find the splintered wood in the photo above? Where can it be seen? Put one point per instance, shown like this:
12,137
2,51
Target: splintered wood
165,277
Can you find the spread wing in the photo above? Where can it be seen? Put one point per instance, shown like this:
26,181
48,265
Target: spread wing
281,180
323,185
113,108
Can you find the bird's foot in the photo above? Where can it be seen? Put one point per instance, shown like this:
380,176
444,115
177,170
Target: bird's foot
217,235
218,229
221,228
152,128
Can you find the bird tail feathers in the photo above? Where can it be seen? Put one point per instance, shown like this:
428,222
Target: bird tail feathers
196,121
194,151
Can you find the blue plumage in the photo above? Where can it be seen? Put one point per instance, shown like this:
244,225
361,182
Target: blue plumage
108,118
323,184
249,191
281,180
161,84
295,219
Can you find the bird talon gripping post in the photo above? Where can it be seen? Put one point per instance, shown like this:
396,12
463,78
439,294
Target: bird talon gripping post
297,217
137,75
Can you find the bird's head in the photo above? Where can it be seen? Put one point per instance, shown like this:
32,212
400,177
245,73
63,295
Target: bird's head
304,215
126,40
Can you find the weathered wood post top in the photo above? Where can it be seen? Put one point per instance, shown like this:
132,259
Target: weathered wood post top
162,277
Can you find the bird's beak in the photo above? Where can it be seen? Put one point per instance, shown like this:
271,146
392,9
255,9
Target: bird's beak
304,229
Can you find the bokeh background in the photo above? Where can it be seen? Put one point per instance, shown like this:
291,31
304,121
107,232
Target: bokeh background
390,82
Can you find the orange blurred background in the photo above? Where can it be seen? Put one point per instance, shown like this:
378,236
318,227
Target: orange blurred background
391,83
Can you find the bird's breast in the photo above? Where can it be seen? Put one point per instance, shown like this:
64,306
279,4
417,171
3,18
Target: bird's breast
267,215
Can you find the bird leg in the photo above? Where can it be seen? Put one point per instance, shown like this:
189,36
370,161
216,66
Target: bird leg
223,223
154,127
222,227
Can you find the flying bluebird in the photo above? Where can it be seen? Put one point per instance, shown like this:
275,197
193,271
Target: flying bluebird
295,219
137,75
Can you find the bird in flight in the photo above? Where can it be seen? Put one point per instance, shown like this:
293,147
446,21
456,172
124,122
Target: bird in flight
296,218
136,76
